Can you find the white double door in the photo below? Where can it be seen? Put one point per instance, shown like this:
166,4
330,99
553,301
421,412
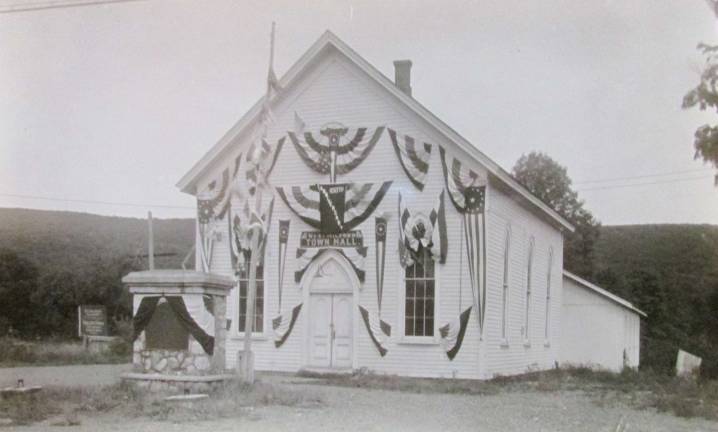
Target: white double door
330,339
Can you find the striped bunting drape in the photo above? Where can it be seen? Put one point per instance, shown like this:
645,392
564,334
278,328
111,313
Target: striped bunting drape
452,334
283,324
467,190
414,158
378,330
304,202
418,231
355,256
348,156
458,177
360,201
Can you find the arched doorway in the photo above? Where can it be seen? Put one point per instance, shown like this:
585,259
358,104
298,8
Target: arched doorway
329,286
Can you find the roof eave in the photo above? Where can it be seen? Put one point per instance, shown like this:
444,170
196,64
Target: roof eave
187,183
597,289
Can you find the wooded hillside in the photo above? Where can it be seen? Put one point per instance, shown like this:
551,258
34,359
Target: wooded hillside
51,261
671,273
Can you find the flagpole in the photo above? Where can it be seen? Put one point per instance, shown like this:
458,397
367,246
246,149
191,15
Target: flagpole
248,358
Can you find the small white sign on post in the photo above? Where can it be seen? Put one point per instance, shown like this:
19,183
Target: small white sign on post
687,364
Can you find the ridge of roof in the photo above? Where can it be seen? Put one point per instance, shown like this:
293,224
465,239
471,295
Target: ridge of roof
593,287
187,183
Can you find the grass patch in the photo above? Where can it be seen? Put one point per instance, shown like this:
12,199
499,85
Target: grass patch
66,406
636,389
53,353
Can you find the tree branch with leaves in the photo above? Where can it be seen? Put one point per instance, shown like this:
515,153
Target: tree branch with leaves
705,96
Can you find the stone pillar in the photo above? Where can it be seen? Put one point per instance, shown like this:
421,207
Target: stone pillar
220,333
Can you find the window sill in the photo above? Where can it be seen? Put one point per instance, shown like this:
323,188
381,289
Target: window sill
527,343
504,343
418,340
547,344
255,336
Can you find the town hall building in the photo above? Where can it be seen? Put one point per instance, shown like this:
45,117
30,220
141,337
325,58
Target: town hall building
388,242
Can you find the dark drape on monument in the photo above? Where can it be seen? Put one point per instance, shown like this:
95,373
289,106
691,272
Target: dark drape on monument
143,315
180,310
147,309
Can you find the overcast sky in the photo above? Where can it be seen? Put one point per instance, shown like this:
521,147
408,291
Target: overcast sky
115,103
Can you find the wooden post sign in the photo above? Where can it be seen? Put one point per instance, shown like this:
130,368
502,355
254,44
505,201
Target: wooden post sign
92,320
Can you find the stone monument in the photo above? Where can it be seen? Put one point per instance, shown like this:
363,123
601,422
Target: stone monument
180,328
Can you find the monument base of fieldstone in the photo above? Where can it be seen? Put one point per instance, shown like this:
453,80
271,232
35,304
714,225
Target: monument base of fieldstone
178,384
166,356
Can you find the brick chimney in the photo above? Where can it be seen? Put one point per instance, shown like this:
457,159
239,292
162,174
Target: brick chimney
402,75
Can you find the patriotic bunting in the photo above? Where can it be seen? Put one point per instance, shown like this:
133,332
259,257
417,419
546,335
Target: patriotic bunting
355,256
334,208
458,178
380,255
414,158
282,325
283,239
212,205
467,191
378,329
452,334
334,157
418,231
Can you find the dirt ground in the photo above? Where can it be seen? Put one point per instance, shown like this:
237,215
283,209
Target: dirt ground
349,409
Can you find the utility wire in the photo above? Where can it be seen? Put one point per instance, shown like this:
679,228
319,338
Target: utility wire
644,183
85,201
664,174
145,205
44,5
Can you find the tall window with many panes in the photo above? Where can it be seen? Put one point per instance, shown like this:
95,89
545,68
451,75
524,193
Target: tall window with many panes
419,282
505,288
258,301
547,330
529,265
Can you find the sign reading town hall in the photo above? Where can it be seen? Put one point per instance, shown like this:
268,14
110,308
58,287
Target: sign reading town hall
314,239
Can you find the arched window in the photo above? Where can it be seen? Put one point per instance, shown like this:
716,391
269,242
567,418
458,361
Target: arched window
505,288
419,283
529,264
547,330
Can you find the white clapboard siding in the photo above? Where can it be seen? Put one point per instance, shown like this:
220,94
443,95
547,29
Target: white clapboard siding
337,91
598,330
514,355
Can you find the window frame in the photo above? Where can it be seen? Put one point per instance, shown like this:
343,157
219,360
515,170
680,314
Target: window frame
549,274
240,316
414,339
527,300
505,288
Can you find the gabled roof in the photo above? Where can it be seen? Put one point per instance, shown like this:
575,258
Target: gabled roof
329,40
602,292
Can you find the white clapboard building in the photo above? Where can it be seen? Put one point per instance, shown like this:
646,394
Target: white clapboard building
598,328
389,242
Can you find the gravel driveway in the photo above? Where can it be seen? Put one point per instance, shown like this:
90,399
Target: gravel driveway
349,409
